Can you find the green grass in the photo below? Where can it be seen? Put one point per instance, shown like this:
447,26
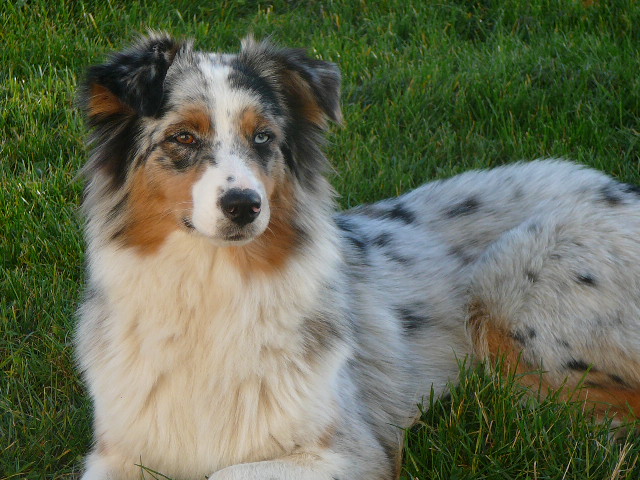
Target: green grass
430,89
490,428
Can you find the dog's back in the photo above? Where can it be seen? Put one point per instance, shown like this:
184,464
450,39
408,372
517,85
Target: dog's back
540,256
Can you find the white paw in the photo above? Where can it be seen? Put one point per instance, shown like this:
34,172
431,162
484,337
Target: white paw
270,470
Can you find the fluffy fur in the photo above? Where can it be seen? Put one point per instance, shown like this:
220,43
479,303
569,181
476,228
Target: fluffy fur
235,327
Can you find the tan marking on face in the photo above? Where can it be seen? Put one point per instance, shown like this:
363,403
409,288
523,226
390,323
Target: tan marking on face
104,102
159,199
270,251
491,342
251,121
197,118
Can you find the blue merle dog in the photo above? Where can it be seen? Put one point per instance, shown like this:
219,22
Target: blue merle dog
236,327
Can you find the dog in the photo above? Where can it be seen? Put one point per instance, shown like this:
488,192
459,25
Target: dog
235,326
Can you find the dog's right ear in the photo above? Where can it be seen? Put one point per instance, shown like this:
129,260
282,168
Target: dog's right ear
130,82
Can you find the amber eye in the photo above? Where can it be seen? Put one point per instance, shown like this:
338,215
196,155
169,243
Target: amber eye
185,138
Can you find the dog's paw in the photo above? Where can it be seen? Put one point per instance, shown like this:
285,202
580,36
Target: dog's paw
246,472
269,470
241,472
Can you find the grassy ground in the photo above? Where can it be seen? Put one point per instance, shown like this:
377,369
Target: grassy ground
430,89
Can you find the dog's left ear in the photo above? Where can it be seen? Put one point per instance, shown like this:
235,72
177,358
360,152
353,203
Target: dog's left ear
310,86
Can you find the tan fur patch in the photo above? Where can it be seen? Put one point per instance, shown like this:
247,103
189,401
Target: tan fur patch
104,102
491,342
159,199
616,401
306,103
270,251
198,118
250,122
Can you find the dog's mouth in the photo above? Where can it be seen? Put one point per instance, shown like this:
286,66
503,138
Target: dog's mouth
226,235
234,235
236,238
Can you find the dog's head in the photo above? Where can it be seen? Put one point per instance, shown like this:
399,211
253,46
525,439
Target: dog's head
204,142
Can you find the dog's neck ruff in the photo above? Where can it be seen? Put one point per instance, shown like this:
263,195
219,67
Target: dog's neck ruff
189,269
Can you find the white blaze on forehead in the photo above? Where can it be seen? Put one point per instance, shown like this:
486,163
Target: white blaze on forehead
228,102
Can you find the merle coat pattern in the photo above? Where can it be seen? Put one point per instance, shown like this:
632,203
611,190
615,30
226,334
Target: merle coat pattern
235,327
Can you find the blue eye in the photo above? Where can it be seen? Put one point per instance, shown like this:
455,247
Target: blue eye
261,138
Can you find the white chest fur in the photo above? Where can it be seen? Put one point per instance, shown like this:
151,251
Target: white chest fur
185,358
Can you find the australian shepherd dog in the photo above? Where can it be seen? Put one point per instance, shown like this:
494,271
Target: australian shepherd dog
236,327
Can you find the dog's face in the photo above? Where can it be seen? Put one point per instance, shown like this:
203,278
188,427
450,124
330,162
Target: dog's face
215,151
207,143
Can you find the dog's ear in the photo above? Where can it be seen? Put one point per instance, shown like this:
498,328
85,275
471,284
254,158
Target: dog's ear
131,82
310,86
114,97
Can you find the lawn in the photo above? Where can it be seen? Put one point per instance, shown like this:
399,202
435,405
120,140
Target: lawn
430,89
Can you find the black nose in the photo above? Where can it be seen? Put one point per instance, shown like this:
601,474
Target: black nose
242,206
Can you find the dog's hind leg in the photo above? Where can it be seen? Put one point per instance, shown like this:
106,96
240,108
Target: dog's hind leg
557,299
